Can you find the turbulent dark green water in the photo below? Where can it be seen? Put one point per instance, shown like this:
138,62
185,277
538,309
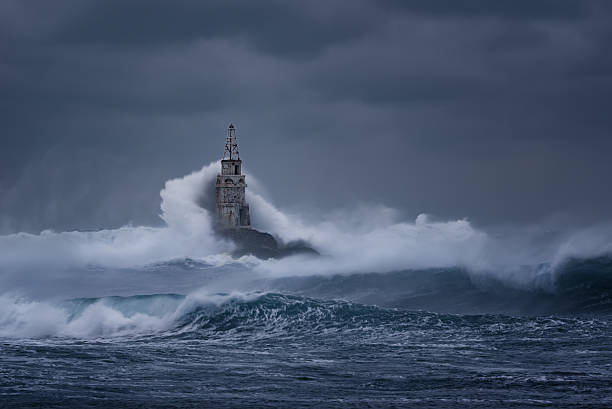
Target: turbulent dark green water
299,349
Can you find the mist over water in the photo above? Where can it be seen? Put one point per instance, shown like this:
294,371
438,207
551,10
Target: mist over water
362,239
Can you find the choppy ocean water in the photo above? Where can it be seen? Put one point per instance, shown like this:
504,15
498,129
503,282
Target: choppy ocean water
393,313
295,349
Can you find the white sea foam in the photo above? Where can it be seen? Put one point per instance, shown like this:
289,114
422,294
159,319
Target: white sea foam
187,233
362,239
104,317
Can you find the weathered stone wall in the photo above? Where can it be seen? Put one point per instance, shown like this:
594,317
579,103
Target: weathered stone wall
232,208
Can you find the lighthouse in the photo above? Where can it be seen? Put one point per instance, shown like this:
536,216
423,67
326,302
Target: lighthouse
232,208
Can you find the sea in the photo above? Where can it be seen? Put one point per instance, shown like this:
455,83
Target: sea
394,312
416,338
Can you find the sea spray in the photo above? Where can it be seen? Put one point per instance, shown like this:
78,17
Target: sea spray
362,239
107,316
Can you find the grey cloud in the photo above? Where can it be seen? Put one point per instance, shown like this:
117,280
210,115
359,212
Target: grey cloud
492,110
504,9
276,27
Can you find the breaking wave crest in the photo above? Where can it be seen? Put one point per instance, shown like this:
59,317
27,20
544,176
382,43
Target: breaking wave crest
101,317
269,314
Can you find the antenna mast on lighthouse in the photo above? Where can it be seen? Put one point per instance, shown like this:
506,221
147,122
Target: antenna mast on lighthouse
231,144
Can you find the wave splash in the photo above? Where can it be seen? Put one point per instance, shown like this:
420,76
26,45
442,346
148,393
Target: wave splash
360,240
243,317
101,317
370,237
187,233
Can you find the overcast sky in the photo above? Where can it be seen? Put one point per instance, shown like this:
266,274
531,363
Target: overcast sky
498,111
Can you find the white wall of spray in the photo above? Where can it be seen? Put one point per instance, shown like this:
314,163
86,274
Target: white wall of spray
367,239
362,239
589,242
375,242
187,233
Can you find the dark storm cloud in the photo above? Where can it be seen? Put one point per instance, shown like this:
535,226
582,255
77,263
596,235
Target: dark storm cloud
495,110
505,9
277,27
515,73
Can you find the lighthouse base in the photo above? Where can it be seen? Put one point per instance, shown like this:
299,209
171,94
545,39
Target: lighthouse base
263,245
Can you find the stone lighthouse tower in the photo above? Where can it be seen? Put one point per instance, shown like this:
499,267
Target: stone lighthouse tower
232,208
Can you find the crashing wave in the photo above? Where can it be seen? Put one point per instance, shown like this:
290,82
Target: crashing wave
262,315
420,257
